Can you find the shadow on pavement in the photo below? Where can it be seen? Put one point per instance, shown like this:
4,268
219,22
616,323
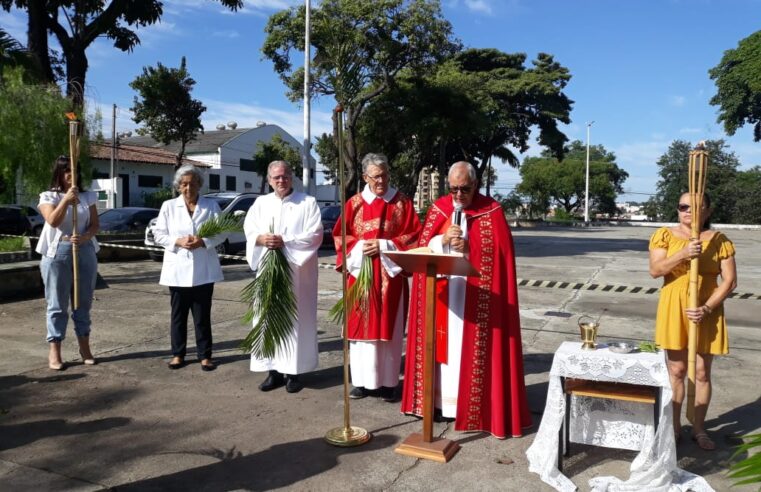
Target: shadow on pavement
23,434
278,466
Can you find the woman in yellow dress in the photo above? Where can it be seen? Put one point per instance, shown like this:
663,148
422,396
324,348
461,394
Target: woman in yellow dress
670,253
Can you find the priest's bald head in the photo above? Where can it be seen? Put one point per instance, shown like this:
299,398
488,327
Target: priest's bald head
463,183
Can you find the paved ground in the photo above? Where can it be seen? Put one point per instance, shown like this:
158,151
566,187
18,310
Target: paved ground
131,424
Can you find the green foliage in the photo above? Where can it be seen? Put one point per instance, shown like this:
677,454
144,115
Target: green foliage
512,204
357,296
327,150
359,48
272,303
221,224
166,107
738,85
156,198
747,470
722,173
33,132
76,25
747,207
545,180
8,244
277,149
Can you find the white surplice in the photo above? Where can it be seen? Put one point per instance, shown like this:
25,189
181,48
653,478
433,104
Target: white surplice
374,364
448,375
297,219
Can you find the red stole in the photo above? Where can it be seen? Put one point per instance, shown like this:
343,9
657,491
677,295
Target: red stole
395,221
492,392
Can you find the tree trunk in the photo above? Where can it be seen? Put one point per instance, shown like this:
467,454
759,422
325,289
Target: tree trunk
76,70
37,38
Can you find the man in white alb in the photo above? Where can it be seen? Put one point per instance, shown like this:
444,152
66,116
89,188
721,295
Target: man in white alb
297,230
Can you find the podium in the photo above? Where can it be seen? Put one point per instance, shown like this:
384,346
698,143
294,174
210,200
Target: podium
424,261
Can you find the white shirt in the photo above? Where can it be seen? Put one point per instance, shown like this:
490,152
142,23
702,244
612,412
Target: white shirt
183,267
50,237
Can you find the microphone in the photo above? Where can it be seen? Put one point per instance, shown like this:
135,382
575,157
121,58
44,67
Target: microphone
457,213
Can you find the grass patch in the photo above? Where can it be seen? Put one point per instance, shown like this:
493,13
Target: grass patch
11,244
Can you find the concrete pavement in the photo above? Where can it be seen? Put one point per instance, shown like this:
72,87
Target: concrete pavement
129,423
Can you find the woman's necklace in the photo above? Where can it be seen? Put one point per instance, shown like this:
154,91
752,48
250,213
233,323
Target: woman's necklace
191,207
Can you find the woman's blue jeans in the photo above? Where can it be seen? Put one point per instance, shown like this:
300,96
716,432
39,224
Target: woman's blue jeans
58,277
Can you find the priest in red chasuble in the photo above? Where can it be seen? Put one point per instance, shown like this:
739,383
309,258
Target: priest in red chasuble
479,358
380,218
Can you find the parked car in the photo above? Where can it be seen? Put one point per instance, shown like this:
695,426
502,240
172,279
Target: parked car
235,203
126,219
22,219
330,216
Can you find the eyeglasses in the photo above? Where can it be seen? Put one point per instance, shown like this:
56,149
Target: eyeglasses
683,207
283,177
460,189
378,177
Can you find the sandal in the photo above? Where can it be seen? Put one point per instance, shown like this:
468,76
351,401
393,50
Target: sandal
703,441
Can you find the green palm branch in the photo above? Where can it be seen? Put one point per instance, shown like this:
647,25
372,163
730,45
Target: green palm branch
221,224
357,295
272,303
747,470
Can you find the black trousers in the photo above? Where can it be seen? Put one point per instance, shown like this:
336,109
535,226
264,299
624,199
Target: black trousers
198,301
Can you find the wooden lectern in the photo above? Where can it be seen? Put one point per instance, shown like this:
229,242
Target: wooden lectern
422,260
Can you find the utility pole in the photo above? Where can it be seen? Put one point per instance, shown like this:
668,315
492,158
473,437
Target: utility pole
586,187
308,177
111,190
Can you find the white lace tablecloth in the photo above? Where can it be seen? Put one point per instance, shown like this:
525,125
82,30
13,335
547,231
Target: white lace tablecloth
612,423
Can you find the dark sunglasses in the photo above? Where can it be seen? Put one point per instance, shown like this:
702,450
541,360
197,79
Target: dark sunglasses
683,207
463,189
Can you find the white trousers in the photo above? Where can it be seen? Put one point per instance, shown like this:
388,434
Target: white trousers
375,364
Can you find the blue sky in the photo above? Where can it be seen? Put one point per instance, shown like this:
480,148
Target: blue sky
639,67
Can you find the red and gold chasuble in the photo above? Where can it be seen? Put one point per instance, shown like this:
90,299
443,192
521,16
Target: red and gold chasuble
395,221
492,392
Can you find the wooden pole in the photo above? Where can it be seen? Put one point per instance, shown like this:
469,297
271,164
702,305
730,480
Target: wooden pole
698,168
73,156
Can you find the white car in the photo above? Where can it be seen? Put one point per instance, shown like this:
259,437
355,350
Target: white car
235,203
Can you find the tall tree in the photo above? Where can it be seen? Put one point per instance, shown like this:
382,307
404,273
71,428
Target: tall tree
738,85
277,149
509,100
722,171
165,105
563,182
77,24
360,47
747,207
33,133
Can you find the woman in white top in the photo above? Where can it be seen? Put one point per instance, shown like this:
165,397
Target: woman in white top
191,265
56,266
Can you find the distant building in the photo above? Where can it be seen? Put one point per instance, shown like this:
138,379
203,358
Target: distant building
427,188
226,156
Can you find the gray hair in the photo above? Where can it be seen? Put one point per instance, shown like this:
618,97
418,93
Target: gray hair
275,164
184,171
371,159
468,167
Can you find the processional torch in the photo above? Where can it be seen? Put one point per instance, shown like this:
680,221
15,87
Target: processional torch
74,135
348,435
698,169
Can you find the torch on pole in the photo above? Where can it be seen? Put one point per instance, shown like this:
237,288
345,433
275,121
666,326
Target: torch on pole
74,135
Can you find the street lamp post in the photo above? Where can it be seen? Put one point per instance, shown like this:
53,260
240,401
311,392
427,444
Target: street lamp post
586,186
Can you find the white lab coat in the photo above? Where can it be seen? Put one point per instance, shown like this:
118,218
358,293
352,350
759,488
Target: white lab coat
183,267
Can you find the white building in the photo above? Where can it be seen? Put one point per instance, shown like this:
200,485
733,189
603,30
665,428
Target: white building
225,154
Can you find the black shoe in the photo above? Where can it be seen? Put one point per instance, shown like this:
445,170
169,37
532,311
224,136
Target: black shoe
209,366
437,417
274,380
293,385
388,394
177,365
357,393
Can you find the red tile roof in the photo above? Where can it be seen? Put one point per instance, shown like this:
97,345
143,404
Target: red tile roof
134,153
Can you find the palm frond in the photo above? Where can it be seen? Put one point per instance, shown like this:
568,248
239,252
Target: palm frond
221,224
748,469
272,302
358,295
